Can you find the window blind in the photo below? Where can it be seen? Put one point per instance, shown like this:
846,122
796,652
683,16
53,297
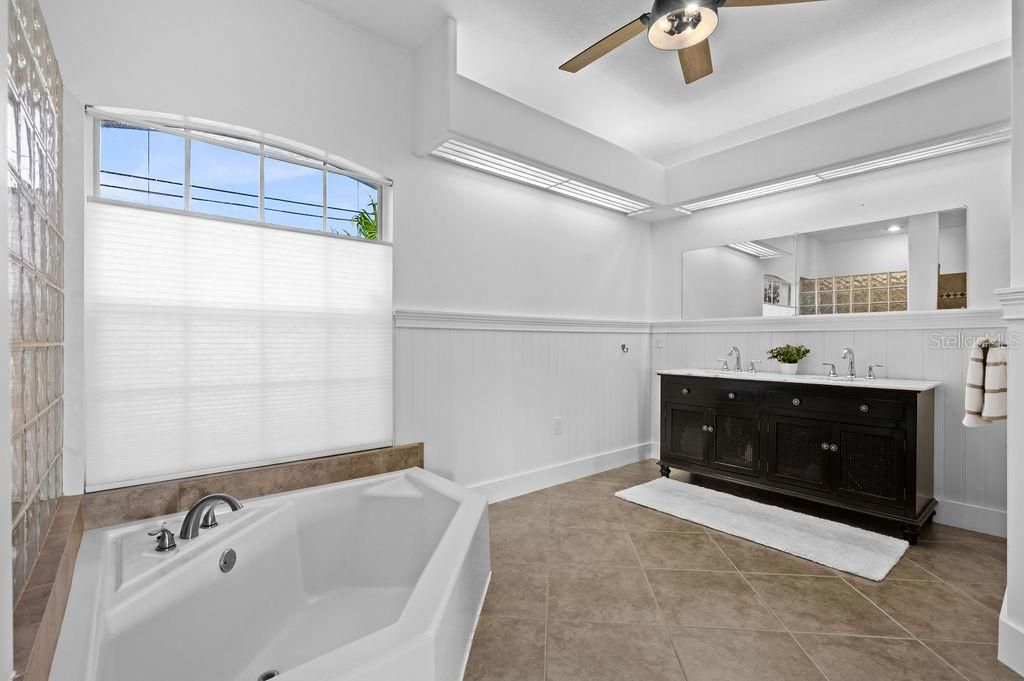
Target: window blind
213,345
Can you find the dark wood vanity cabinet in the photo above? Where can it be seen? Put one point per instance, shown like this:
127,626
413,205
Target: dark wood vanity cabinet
850,446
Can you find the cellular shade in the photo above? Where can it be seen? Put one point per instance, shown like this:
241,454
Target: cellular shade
213,345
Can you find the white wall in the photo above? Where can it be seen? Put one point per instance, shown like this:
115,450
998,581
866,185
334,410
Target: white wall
953,250
463,241
860,256
978,179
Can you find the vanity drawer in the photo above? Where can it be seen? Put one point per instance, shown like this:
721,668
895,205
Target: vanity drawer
706,391
838,407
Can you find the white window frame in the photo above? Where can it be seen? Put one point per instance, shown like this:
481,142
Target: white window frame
279,150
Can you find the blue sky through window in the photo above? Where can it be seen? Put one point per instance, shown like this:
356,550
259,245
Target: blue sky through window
142,166
148,167
224,181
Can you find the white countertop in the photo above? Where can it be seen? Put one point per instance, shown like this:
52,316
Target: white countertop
875,383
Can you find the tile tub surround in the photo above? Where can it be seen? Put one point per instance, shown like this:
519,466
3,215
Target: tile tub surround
582,589
112,507
39,611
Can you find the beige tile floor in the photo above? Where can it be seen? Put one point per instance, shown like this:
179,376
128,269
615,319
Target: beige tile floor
586,586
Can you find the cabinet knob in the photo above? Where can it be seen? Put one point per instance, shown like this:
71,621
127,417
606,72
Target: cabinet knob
824,446
686,391
834,448
796,401
732,396
711,429
704,428
864,408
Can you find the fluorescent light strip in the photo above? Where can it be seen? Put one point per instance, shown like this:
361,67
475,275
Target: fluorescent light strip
495,164
599,197
753,193
976,140
757,249
486,161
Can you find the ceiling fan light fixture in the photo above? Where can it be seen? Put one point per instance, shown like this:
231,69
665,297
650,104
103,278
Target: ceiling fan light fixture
678,24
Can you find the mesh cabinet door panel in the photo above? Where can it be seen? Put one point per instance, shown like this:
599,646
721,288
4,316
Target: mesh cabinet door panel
735,442
797,456
871,464
687,437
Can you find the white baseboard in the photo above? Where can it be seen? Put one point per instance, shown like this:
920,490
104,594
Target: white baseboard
968,517
531,481
1011,642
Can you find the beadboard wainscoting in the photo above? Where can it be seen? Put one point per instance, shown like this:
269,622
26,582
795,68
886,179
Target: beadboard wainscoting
970,466
483,393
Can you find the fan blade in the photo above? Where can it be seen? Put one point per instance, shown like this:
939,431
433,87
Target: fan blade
696,61
606,45
760,3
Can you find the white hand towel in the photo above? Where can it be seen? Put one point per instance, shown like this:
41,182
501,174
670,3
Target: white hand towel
985,392
974,396
995,385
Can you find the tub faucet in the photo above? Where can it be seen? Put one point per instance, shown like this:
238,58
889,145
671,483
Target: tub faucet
735,350
201,514
851,371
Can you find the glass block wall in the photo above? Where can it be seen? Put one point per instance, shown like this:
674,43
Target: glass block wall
876,292
36,278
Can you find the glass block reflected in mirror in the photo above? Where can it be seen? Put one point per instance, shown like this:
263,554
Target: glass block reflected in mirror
36,279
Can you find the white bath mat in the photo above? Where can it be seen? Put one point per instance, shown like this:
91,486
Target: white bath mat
846,548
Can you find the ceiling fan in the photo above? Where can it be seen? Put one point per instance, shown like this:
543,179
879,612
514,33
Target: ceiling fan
679,25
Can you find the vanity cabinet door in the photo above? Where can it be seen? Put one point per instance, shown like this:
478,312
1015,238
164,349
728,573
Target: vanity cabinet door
685,434
870,464
799,452
734,441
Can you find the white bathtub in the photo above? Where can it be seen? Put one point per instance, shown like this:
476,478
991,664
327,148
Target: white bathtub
376,579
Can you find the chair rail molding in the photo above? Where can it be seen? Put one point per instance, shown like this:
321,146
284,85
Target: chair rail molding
477,321
871,321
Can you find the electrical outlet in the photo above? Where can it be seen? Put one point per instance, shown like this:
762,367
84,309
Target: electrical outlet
558,425
659,342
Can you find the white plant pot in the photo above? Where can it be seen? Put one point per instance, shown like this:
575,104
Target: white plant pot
788,368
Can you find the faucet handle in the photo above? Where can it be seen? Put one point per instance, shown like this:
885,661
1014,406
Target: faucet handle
871,370
832,373
164,538
725,363
753,369
209,518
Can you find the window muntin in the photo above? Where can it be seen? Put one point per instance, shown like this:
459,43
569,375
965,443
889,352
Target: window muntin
224,181
142,166
352,206
204,172
294,195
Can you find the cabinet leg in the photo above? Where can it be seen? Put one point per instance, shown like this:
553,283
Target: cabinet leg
931,519
911,533
665,471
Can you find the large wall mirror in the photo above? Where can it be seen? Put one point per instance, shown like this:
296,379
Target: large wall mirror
916,262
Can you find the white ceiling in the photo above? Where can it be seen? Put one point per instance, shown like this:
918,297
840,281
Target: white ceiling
769,61
948,219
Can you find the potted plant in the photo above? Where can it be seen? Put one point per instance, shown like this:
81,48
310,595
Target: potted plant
788,356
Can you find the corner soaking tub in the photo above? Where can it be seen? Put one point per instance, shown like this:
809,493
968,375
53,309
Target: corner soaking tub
376,579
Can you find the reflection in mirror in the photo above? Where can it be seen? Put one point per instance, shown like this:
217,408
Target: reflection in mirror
916,262
744,279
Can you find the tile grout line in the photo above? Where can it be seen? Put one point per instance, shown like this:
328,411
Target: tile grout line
657,606
951,584
912,635
769,608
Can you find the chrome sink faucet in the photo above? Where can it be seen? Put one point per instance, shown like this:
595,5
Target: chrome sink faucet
739,362
851,371
201,514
